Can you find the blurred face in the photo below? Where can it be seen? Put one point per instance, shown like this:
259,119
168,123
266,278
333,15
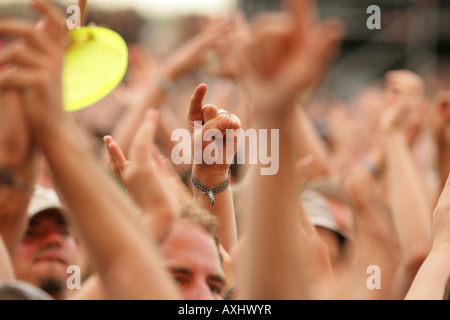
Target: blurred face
46,251
192,257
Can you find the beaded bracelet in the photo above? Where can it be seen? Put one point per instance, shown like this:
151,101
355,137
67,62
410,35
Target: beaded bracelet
211,192
231,294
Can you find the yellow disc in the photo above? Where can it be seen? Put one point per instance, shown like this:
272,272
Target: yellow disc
94,65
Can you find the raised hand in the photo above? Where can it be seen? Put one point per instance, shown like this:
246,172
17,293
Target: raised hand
193,53
147,178
204,118
404,83
431,279
37,57
405,103
288,53
227,48
212,170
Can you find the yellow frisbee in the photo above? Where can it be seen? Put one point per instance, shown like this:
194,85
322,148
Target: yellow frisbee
94,65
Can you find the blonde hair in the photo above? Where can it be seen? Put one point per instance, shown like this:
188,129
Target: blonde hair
192,211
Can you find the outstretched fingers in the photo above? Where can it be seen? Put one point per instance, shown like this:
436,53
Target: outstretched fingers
116,157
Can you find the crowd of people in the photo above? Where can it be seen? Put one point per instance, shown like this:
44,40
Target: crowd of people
359,207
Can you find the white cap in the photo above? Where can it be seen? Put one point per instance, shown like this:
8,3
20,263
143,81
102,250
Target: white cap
43,199
318,210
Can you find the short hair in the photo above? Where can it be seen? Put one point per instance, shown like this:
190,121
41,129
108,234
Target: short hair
191,211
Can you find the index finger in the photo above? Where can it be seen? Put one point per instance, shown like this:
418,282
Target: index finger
303,13
195,107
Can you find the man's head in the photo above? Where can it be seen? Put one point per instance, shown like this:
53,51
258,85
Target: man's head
191,253
48,246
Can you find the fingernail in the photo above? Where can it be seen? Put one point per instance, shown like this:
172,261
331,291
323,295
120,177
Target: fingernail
224,121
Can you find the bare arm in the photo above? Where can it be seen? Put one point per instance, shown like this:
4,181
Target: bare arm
432,276
374,243
311,143
146,178
18,163
215,173
407,197
275,74
128,262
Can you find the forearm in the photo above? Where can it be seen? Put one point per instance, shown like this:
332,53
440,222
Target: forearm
374,246
13,216
271,226
14,135
410,206
310,143
223,207
115,243
430,281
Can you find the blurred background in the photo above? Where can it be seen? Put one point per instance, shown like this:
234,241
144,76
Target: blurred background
415,34
346,107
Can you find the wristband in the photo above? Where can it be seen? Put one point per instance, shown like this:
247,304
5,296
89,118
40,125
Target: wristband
211,192
231,294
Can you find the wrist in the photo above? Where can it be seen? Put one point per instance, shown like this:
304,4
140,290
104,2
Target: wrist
65,129
23,177
212,188
209,177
